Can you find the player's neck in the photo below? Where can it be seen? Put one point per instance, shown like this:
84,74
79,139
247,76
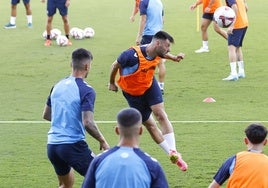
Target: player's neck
255,149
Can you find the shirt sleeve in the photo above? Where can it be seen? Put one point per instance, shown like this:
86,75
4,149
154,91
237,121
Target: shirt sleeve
229,3
225,170
128,58
143,7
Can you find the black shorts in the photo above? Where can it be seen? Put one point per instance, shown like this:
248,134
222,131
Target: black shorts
64,156
236,39
208,16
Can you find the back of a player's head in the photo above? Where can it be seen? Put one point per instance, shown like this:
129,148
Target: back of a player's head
79,57
162,35
128,117
256,133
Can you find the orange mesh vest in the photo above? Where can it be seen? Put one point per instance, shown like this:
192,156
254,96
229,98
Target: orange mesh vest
250,171
215,5
139,81
241,17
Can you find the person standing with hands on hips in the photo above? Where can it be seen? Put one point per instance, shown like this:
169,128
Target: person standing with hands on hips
70,108
136,67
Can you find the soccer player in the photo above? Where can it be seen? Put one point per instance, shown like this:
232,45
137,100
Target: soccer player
62,6
12,22
135,10
136,67
151,21
209,7
126,165
247,168
236,33
70,108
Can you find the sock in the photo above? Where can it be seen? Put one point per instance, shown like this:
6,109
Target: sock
29,18
161,85
233,68
205,44
170,138
240,66
67,36
165,146
48,37
12,20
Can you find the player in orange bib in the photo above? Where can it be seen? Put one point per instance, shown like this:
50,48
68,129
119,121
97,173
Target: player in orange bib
247,168
136,67
209,7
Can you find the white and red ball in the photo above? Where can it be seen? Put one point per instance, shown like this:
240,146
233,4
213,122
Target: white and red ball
62,40
224,16
89,32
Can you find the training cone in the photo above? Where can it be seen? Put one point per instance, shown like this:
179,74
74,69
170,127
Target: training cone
209,99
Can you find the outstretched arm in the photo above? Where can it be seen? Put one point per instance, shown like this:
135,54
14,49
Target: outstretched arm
176,58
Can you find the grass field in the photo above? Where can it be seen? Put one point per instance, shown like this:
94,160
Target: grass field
206,133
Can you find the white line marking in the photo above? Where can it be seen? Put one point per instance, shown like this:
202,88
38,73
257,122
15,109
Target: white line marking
113,122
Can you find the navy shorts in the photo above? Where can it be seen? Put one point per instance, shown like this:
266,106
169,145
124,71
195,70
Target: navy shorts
53,5
14,2
236,39
64,156
144,102
208,16
146,39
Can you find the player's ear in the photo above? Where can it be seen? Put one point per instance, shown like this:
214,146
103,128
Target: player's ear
246,140
265,141
141,130
116,129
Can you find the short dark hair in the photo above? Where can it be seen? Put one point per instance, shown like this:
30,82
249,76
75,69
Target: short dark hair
256,133
162,35
128,117
78,57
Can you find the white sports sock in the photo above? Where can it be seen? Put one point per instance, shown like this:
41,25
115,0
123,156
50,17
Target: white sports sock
165,146
241,66
29,18
12,20
205,44
233,68
170,138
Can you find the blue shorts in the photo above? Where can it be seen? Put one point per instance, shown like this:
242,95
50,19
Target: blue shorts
53,5
144,102
146,39
64,156
14,2
236,39
208,16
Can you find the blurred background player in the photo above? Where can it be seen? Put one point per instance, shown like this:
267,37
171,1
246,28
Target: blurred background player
126,165
136,67
12,22
247,168
62,6
135,10
151,21
236,33
209,7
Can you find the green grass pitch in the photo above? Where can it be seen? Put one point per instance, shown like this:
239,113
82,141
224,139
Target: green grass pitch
206,133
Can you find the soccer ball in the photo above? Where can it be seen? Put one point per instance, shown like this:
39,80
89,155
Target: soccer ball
89,32
224,16
77,33
55,33
62,40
